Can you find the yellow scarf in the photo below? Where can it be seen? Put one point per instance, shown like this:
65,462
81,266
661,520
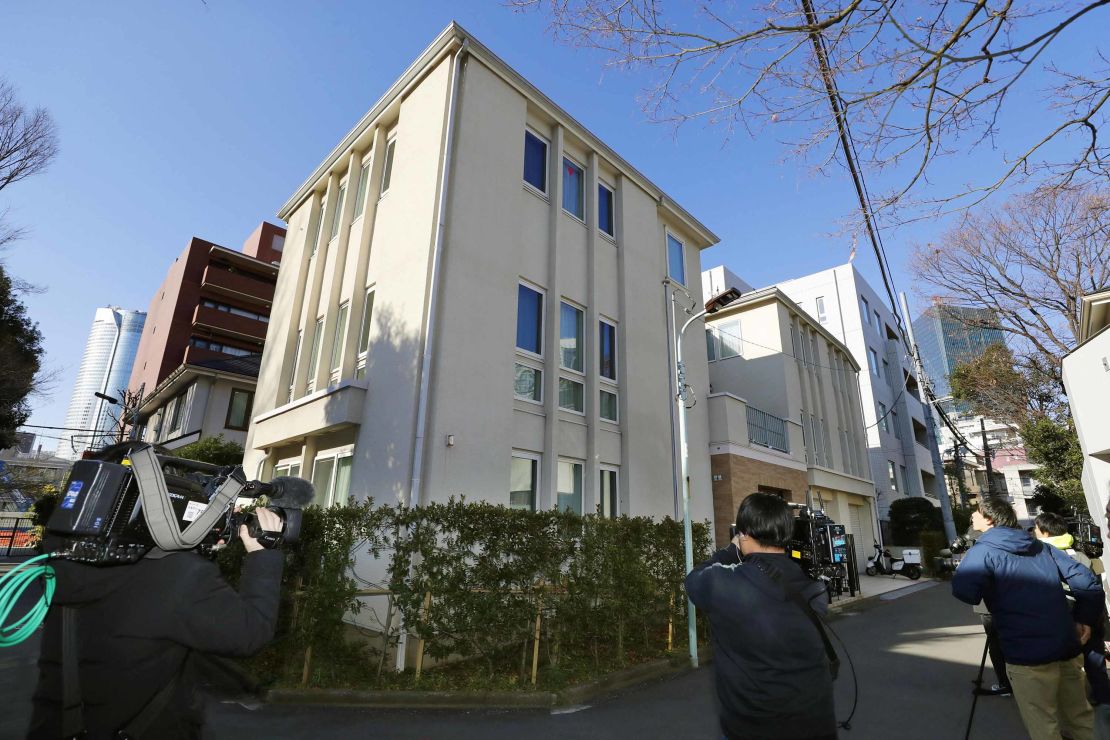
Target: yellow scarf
1062,541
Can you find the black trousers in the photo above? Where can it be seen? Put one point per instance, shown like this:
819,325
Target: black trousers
994,649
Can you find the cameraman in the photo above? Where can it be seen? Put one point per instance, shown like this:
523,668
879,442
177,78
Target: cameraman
773,677
137,628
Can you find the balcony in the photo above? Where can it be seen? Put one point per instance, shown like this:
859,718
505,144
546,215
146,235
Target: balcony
733,424
321,412
767,430
239,285
223,322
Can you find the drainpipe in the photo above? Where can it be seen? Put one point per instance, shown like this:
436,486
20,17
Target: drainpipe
433,295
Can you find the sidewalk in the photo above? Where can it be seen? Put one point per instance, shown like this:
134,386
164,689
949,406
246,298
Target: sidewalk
871,586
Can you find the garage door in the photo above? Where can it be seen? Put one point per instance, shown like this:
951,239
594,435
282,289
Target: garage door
862,536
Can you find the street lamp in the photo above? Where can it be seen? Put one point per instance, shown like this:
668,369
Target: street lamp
714,305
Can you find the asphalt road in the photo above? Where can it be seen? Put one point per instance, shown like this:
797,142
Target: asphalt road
916,652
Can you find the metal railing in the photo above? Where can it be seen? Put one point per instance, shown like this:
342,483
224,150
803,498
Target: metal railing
767,430
17,535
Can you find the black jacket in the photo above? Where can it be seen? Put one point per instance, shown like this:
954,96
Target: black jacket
137,625
773,677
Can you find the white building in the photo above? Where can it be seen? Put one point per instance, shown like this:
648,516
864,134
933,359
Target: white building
902,462
105,368
784,415
1087,378
472,303
1014,475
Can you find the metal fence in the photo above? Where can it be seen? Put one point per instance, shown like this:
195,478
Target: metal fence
767,430
17,535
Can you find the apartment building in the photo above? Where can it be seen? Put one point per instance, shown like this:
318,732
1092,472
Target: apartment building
472,303
1013,475
948,336
901,448
785,416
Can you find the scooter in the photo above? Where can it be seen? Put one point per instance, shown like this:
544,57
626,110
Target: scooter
883,563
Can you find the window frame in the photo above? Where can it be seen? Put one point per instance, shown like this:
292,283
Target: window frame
580,341
892,476
612,199
296,363
615,393
568,160
337,214
334,454
339,340
387,165
873,361
536,367
822,314
319,225
543,319
884,423
581,384
529,131
670,236
246,414
362,187
314,355
537,472
580,465
362,354
610,324
614,505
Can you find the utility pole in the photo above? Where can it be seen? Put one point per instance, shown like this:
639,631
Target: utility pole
961,485
986,454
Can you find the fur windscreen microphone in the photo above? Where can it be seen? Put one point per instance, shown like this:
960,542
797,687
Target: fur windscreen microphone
290,493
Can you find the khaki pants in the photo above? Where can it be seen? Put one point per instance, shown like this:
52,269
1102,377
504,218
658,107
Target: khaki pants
1052,698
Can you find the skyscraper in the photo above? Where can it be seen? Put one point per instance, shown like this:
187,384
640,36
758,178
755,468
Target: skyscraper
105,368
948,336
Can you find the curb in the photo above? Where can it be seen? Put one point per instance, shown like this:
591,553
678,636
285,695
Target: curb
570,696
870,600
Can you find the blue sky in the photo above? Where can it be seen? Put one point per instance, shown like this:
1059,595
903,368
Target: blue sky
190,118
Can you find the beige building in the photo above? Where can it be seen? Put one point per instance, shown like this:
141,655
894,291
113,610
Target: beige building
785,416
472,303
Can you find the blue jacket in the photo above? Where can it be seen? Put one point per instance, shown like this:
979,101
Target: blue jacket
773,677
1018,578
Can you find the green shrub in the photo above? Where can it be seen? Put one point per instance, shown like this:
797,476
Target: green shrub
910,516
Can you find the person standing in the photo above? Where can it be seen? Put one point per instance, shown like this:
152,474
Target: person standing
1019,578
773,676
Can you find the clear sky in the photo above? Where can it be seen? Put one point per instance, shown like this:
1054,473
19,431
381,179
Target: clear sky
200,118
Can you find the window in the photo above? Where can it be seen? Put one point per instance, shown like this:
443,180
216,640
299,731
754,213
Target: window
570,337
224,308
905,480
605,209
570,486
573,191
523,481
728,336
894,423
535,161
866,308
676,261
331,477
873,361
314,354
609,493
178,416
319,224
529,320
387,170
239,409
291,469
821,315
340,337
338,215
528,384
296,361
360,194
226,349
323,473
607,350
710,345
608,406
883,422
364,335
878,322
890,474
570,395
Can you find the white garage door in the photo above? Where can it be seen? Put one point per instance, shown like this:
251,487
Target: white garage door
861,536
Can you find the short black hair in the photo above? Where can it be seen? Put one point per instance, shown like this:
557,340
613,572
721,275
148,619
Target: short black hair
765,518
1051,524
999,511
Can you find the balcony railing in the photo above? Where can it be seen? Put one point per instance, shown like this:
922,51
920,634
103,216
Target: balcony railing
767,430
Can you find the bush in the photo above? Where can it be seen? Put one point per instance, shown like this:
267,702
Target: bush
932,542
909,517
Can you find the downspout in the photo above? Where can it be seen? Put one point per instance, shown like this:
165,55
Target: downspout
433,285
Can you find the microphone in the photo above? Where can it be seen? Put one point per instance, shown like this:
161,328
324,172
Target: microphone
290,493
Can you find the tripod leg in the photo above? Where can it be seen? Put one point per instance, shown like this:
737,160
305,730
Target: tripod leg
978,684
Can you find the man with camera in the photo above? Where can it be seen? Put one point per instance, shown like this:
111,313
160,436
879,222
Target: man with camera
1019,579
139,630
773,676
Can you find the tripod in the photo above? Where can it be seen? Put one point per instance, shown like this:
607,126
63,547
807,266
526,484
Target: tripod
978,690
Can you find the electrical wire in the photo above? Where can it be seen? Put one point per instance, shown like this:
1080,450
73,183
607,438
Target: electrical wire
847,722
12,586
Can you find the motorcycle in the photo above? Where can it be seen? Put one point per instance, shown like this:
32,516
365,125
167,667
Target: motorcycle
883,563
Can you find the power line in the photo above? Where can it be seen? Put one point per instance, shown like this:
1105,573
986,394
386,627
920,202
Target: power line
64,429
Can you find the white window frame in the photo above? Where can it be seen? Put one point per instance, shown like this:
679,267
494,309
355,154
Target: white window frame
582,168
546,165
537,459
532,365
616,393
335,454
296,363
581,382
388,161
883,423
616,350
581,348
288,463
339,341
582,481
363,354
873,361
822,315
606,468
892,475
319,225
521,352
363,185
613,196
667,236
315,349
337,216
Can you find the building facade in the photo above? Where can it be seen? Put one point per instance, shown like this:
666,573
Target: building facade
900,446
785,416
105,368
214,304
207,398
948,336
1013,475
472,303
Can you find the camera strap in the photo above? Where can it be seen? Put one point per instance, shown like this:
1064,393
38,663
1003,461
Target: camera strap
158,511
795,596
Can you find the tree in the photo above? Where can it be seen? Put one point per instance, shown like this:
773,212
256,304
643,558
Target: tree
28,141
911,516
1054,446
20,350
215,450
993,386
1028,263
913,82
121,416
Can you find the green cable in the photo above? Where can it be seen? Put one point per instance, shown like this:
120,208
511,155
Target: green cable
12,586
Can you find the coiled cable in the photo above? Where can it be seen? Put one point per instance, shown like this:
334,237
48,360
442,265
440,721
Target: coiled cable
12,586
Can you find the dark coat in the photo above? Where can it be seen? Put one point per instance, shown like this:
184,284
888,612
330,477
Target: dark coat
137,625
773,677
1018,578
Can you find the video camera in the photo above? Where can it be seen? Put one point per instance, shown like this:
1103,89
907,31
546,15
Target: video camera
948,558
1088,537
820,546
127,500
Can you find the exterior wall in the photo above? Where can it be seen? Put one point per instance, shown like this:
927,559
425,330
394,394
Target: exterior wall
205,414
1085,378
105,368
735,477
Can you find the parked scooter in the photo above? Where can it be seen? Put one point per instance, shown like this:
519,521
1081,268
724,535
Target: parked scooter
883,563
